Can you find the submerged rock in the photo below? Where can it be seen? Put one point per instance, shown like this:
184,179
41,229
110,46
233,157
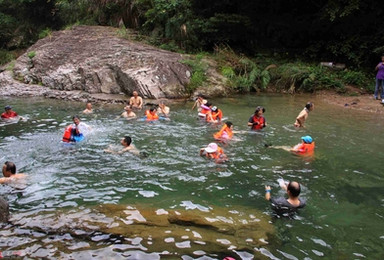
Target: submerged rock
218,231
4,210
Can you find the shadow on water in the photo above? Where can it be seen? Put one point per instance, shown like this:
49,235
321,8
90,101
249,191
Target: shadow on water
80,202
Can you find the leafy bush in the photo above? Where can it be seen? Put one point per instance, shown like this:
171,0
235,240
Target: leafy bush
5,56
198,68
44,33
31,54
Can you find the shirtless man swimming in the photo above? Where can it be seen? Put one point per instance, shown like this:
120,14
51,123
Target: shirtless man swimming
302,117
126,142
88,109
136,102
9,173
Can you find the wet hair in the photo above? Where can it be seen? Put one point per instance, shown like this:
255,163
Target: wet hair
229,124
309,105
128,140
10,166
258,108
152,109
294,188
75,116
208,104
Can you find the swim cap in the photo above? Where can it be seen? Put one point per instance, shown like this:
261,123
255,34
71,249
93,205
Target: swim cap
214,108
211,148
307,139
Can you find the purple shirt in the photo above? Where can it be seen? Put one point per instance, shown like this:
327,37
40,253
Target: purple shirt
380,72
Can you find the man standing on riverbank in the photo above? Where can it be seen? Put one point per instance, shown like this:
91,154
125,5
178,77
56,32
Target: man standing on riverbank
136,102
302,117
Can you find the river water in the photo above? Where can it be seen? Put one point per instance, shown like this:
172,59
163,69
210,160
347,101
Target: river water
79,202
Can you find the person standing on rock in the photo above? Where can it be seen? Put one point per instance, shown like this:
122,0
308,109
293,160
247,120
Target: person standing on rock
302,117
380,79
136,102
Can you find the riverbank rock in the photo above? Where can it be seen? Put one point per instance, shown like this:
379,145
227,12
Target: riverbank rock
94,60
4,210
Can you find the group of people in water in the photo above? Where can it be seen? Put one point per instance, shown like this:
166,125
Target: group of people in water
77,131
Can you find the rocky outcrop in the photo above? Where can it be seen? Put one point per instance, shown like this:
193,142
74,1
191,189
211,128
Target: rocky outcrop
95,60
4,210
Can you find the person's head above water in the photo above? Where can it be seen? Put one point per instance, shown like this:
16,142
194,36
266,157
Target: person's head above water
259,110
211,148
6,108
229,124
126,141
89,106
309,106
9,168
307,139
76,120
293,189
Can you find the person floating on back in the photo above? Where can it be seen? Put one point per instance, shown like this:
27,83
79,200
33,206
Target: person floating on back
283,206
306,147
213,151
75,132
302,117
225,133
9,173
257,120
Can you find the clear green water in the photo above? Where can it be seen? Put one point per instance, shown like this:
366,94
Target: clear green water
343,183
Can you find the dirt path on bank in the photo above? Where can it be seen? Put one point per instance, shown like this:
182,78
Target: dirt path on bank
353,100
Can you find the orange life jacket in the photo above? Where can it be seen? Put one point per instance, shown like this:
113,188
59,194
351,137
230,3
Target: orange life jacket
217,115
204,112
67,136
304,148
217,154
261,122
151,116
225,129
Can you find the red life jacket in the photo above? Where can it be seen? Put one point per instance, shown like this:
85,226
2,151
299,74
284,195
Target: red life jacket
67,136
9,115
261,122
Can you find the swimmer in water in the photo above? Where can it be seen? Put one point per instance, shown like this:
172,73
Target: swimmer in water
9,173
126,142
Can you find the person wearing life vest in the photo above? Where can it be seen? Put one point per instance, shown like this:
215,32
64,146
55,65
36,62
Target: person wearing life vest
225,133
9,113
151,114
307,146
205,109
257,120
215,115
75,132
213,151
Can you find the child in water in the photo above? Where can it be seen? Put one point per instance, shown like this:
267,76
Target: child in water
307,146
257,120
225,133
213,151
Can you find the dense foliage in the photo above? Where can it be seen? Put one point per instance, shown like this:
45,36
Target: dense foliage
345,31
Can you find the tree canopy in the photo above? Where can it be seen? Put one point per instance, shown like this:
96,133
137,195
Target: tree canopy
346,31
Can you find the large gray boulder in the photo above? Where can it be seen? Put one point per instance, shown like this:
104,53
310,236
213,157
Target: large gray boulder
94,59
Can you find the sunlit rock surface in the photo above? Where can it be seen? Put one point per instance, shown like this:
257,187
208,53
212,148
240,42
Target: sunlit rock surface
94,59
216,232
